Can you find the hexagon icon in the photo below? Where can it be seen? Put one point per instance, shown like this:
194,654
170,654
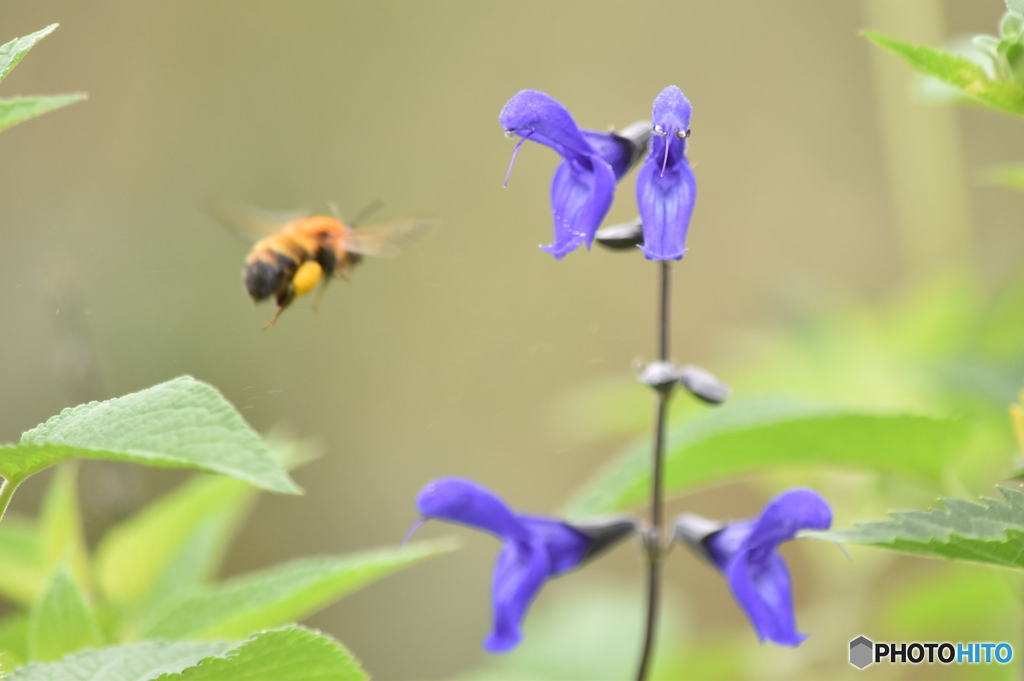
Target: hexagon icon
862,652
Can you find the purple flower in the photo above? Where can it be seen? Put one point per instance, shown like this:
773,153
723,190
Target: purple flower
584,183
745,552
665,187
535,549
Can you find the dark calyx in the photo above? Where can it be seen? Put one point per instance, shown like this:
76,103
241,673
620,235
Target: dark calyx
603,533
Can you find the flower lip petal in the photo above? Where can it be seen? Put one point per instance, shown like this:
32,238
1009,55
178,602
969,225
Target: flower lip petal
519,574
581,195
764,590
666,204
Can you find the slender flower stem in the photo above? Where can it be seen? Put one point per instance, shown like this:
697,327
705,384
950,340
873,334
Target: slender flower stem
654,540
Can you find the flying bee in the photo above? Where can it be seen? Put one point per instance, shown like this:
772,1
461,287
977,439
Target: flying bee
300,252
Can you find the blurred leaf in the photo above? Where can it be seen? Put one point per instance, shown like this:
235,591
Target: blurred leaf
182,423
590,632
287,654
280,594
291,450
1017,419
133,662
986,42
1010,176
708,661
60,526
61,621
22,573
743,437
13,640
174,543
14,110
15,50
601,408
971,602
958,72
988,532
1015,6
1012,24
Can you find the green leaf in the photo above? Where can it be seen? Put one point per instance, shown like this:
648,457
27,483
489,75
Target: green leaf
61,621
1015,6
183,423
287,654
143,661
1017,421
14,110
959,72
1012,24
747,436
976,605
22,573
15,50
989,532
596,617
13,640
173,544
280,594
1008,175
60,526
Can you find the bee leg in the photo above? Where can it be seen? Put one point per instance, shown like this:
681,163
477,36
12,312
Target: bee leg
284,299
273,320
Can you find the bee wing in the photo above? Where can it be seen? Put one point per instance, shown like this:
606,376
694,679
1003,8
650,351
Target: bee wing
249,222
387,239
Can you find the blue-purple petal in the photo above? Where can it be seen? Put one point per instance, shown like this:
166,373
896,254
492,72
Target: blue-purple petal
464,501
542,118
665,186
534,549
666,203
614,150
565,546
584,184
787,514
520,572
762,587
671,112
581,194
745,551
726,542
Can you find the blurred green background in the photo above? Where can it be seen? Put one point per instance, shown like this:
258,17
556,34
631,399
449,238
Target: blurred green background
823,180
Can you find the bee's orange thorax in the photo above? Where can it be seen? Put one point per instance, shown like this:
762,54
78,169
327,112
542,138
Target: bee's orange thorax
320,227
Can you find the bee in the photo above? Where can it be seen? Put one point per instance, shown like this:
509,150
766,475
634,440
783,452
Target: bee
300,252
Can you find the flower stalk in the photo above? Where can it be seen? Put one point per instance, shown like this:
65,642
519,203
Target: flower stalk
654,539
